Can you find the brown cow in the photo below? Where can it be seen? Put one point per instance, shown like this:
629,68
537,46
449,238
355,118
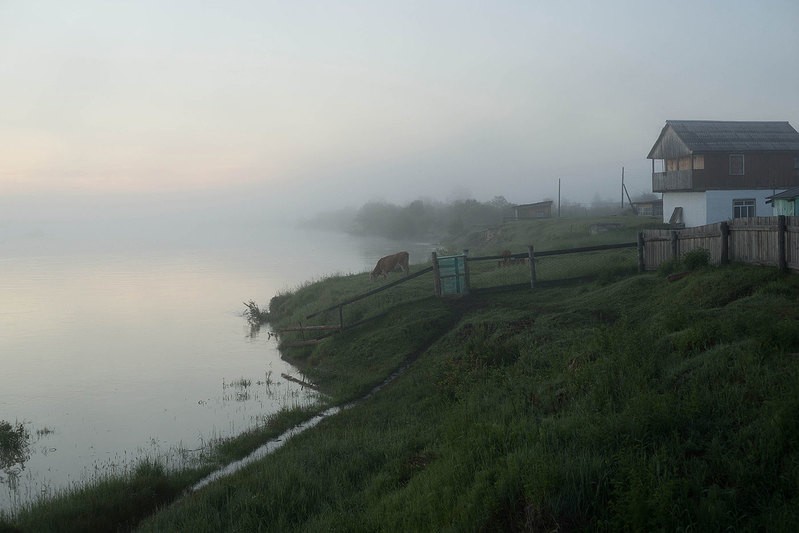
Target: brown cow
389,263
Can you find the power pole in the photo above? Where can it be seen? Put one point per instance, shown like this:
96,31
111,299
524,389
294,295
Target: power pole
622,187
558,197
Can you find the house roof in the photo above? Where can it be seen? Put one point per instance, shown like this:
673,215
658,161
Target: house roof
537,204
726,136
790,193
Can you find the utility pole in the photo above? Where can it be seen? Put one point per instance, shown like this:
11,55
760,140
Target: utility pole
558,197
622,187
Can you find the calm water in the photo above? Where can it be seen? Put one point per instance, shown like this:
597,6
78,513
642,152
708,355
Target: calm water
114,349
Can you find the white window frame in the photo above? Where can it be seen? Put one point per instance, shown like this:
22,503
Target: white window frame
743,163
741,204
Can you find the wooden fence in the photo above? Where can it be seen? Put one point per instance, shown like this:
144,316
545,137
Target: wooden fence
770,241
529,258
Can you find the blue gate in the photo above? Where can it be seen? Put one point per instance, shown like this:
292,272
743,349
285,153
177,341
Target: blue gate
452,274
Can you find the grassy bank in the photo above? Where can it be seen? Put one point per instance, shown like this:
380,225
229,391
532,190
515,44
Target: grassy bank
630,402
639,404
120,503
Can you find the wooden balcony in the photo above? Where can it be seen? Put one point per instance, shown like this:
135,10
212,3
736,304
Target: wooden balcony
676,180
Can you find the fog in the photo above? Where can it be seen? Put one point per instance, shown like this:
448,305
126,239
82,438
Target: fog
155,115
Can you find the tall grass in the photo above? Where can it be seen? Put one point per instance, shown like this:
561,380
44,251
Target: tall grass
634,405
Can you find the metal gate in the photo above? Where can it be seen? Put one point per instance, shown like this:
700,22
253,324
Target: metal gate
452,275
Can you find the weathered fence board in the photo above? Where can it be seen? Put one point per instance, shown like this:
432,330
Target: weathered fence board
792,242
755,240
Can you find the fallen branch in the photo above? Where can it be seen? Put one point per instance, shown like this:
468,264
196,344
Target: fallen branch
301,382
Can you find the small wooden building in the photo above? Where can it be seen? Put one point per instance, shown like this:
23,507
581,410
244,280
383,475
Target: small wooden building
649,208
536,210
785,203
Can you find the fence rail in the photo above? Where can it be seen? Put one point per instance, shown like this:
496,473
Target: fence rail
756,240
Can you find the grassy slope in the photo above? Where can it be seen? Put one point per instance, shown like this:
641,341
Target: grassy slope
640,404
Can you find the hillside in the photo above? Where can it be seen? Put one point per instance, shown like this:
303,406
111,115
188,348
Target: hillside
639,404
629,402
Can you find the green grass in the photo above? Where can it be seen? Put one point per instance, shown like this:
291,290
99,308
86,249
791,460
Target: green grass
638,404
628,403
119,503
556,233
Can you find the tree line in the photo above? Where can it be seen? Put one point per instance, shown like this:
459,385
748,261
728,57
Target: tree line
433,220
420,219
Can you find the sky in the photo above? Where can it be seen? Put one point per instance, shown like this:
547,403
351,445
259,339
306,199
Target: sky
303,106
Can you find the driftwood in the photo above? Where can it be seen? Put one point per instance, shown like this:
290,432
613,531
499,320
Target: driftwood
309,328
301,382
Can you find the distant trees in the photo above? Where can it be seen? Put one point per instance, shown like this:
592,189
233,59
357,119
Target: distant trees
420,219
432,220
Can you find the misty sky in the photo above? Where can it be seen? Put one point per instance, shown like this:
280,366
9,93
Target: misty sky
308,105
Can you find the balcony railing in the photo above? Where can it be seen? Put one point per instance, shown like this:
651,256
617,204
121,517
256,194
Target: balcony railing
676,180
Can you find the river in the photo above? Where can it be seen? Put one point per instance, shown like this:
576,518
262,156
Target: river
115,349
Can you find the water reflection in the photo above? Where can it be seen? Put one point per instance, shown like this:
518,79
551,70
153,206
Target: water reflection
144,352
14,451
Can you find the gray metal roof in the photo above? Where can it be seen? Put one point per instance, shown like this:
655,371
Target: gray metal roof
790,193
727,136
708,136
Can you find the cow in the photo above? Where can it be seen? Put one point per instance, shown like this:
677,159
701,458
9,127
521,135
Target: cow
389,263
508,260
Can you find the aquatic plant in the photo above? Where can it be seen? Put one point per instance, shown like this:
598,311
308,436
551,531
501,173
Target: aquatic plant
254,315
14,440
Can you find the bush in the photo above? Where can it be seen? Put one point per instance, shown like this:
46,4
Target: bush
670,266
697,258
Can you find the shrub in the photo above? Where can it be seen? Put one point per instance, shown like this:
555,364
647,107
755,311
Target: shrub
669,266
697,258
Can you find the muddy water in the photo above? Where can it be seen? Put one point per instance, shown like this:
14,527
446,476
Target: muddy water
119,349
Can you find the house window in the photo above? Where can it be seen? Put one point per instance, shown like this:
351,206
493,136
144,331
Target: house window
736,164
796,163
671,165
699,162
685,163
743,208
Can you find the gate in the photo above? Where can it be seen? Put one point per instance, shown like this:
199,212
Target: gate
452,275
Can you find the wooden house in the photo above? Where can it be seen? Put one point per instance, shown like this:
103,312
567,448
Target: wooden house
785,203
536,210
648,208
709,171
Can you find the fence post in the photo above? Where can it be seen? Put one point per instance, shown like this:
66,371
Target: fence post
341,318
782,262
675,249
725,242
531,260
641,265
466,285
436,276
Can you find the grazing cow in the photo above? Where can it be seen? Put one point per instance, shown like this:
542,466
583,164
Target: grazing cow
508,260
389,263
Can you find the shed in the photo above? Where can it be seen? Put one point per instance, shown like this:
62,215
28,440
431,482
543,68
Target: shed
649,208
536,210
785,203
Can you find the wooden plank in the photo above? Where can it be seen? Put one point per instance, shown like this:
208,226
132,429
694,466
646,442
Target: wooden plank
309,328
301,382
